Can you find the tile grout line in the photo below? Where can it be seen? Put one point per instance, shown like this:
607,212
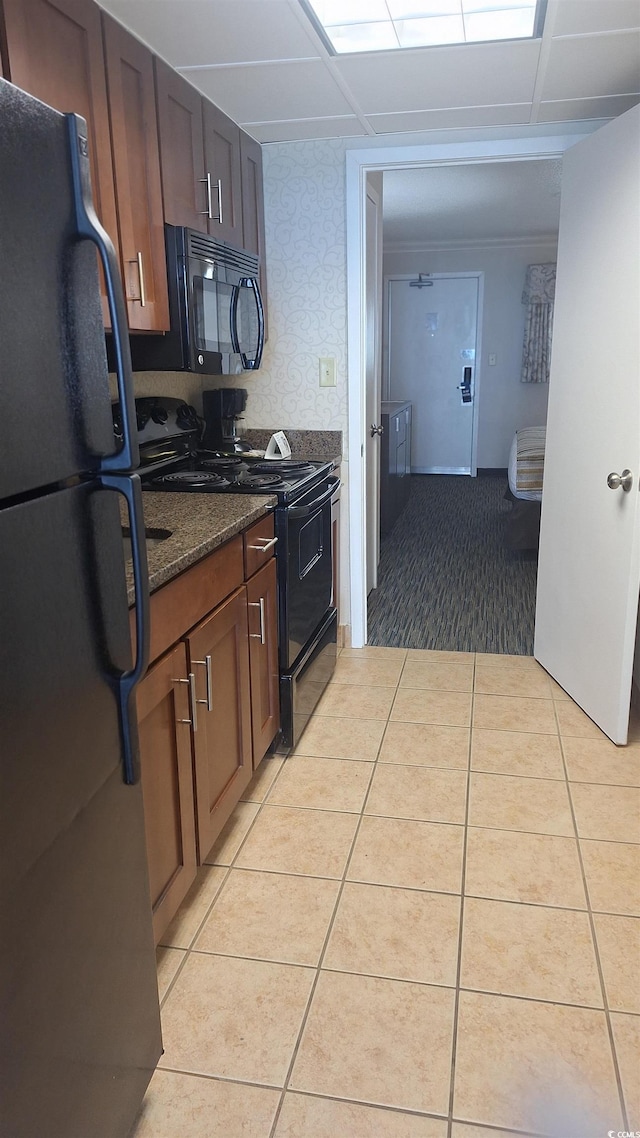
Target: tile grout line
216,895
594,938
456,1006
327,937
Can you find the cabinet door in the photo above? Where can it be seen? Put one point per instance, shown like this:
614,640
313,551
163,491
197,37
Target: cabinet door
222,166
253,207
181,149
167,784
54,51
219,658
262,594
134,135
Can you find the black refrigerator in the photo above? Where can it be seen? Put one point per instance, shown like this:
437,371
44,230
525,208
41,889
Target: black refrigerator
79,1018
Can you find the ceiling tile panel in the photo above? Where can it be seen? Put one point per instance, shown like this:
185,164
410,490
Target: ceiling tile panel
199,32
452,119
607,108
587,66
272,91
485,74
297,131
579,16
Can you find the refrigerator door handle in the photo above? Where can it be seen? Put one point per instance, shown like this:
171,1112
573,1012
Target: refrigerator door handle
89,228
130,487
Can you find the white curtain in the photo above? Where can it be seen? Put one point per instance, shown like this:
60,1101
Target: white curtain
538,295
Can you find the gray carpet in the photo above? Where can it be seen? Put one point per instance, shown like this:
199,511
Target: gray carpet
446,579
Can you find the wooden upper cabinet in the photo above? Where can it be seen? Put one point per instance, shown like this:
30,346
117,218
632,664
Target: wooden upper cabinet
54,52
253,205
222,168
181,149
136,162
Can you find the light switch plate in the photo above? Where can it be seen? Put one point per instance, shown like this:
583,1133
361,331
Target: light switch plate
493,359
327,371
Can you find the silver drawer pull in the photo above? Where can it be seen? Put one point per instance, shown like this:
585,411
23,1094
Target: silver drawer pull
143,291
193,702
206,663
262,634
264,548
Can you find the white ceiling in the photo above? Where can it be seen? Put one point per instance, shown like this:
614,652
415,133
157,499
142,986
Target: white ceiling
460,205
263,63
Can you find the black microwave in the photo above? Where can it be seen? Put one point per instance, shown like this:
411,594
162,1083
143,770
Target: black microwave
215,309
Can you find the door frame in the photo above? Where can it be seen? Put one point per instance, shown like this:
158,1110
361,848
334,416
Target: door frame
359,162
476,274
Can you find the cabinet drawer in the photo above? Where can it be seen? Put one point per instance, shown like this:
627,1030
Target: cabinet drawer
180,604
259,545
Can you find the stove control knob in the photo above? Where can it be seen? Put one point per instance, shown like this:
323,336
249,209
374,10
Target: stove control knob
201,359
159,415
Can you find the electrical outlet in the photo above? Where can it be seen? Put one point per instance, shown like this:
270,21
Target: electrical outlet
327,371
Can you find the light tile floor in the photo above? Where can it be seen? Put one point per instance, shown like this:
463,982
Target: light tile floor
424,924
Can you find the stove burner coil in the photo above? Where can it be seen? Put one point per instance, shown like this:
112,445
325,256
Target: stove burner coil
286,466
260,480
220,463
193,478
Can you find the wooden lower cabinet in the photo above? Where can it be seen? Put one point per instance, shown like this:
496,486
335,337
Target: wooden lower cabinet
262,594
218,653
167,784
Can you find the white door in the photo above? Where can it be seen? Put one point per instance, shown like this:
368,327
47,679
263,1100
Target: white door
431,359
373,294
589,567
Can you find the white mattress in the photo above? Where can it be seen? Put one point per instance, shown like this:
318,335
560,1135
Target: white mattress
526,495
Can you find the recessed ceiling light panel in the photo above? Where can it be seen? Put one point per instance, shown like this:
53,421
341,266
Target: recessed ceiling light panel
387,25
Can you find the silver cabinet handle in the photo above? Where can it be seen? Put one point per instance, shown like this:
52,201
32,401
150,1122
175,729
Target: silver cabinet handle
208,212
206,663
615,481
262,634
219,189
193,702
143,291
264,548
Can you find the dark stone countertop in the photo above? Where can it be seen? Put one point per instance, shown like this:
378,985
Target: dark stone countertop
317,446
199,523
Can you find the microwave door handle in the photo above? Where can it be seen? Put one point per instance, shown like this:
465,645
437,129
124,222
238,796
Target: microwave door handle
247,364
89,228
254,364
235,299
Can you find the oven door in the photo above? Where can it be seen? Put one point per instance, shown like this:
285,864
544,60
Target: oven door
211,299
305,568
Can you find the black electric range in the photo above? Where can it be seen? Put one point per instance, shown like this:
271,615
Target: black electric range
172,461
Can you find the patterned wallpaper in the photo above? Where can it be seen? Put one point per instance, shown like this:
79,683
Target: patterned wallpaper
306,264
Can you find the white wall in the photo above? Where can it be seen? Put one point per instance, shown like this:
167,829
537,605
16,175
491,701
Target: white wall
505,403
306,266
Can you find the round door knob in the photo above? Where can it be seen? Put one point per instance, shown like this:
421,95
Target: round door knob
615,481
376,430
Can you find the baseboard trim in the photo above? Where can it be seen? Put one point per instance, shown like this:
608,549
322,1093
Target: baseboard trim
486,471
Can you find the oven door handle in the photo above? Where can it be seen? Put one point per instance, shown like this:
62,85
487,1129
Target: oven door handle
304,511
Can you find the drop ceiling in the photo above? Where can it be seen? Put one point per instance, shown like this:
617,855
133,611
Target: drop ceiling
265,65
